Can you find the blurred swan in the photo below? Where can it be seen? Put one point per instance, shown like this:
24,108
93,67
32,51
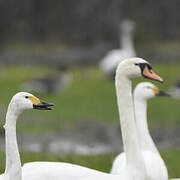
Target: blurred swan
20,102
50,83
110,62
175,90
155,165
135,168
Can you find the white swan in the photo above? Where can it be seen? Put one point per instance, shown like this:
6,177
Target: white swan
110,62
135,168
20,102
155,166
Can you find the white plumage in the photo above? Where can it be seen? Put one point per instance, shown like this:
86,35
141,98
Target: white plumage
20,102
155,166
135,168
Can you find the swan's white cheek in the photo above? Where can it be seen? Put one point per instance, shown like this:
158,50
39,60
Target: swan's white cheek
26,105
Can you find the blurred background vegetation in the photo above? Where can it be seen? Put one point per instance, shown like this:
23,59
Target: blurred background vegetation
40,39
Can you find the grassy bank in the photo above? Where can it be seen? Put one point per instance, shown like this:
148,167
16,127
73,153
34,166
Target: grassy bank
90,96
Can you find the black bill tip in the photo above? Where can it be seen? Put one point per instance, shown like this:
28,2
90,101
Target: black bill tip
43,106
163,93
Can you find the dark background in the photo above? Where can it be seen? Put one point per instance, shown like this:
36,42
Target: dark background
86,22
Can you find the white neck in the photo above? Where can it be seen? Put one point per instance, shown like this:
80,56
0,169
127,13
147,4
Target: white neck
127,43
145,139
13,163
128,126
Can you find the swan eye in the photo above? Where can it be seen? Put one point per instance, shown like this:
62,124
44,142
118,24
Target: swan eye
143,65
26,97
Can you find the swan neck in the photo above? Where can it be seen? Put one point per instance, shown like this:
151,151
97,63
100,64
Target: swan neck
144,136
13,163
127,42
127,120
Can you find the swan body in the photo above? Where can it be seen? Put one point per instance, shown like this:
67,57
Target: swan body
110,62
150,158
20,102
135,168
64,171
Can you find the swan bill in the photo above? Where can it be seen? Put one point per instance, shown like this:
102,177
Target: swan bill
43,106
159,92
162,93
150,74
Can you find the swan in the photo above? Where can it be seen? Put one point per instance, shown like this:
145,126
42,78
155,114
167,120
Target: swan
135,168
48,84
109,63
142,93
19,102
155,166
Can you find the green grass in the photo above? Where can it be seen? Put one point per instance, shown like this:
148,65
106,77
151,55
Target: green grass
101,162
89,97
163,110
172,160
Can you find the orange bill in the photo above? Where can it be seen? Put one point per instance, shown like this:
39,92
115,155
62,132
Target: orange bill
151,75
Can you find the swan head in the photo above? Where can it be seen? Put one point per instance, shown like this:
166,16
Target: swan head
127,25
23,101
136,67
147,90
